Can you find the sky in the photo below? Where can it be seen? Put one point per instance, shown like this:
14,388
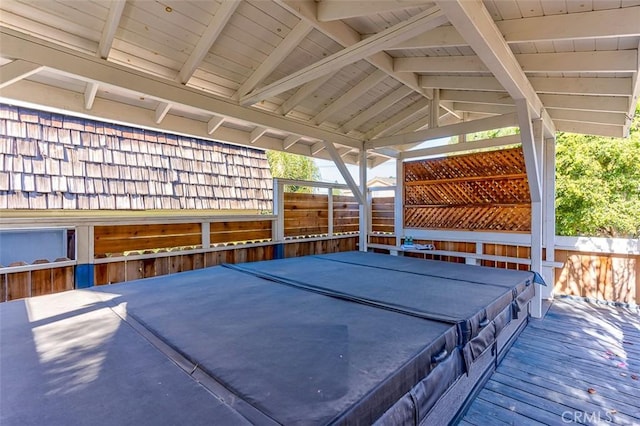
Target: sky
330,172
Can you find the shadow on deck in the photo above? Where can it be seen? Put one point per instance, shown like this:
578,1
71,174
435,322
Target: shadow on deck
579,364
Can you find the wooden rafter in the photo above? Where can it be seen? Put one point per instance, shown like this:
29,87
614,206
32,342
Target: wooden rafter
295,36
16,71
211,33
406,29
116,8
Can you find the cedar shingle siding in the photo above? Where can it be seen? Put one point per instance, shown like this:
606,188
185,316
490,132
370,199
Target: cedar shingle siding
51,161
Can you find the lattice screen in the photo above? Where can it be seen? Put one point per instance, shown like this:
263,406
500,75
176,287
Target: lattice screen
481,191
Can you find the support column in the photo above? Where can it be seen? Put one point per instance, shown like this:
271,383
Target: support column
364,207
536,217
549,208
84,276
398,222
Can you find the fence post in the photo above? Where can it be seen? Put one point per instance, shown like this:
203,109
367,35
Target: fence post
330,212
84,276
205,229
277,230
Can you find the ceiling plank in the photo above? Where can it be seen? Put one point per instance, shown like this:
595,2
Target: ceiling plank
17,70
116,8
621,22
428,19
615,61
350,96
162,110
211,33
376,109
302,93
462,147
346,36
497,122
290,42
474,23
400,119
214,123
90,68
90,95
332,10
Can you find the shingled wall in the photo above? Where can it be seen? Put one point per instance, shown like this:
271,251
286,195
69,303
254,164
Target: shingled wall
52,161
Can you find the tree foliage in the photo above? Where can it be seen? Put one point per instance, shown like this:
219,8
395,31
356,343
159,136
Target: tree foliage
598,184
291,166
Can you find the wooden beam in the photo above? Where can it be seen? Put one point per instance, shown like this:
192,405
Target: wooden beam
162,110
211,33
332,10
615,61
317,147
302,93
116,7
474,23
610,86
350,96
461,147
586,103
590,129
257,133
89,68
286,46
529,148
635,97
619,22
17,70
493,98
90,95
346,36
375,109
339,162
595,117
289,141
214,123
483,108
460,83
387,152
434,109
490,123
428,19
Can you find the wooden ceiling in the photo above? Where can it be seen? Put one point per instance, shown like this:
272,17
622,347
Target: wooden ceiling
326,78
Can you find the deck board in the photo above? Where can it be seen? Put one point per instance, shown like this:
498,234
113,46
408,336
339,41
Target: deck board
546,376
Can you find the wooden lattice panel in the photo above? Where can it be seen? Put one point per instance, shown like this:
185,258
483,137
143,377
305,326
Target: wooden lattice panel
481,191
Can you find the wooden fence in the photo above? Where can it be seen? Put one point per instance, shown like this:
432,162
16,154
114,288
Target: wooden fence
127,248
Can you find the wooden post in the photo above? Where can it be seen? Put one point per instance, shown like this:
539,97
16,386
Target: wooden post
398,212
84,256
364,208
206,234
536,218
330,211
549,206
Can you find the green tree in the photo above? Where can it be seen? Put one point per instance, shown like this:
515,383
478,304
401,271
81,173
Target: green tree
598,184
291,166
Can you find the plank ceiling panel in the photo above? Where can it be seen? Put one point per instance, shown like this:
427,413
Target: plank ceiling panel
157,38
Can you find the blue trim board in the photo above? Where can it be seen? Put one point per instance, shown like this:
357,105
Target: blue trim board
84,276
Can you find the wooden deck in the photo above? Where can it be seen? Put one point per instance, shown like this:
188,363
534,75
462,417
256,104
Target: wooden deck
579,364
